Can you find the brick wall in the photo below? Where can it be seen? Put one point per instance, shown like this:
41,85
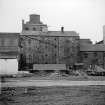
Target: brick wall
50,49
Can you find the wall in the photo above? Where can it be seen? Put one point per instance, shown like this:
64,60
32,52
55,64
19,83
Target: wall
50,49
8,66
9,45
94,57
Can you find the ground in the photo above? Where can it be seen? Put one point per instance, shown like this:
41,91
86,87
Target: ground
54,90
54,95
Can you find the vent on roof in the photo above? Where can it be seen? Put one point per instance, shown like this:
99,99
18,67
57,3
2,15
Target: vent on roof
62,29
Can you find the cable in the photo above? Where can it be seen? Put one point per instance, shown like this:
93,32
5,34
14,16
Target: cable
41,41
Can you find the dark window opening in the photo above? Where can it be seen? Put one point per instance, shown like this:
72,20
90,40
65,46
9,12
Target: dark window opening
26,28
46,55
95,54
85,55
34,29
46,62
40,28
55,46
45,46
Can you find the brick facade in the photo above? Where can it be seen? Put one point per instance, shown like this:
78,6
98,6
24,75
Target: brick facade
50,49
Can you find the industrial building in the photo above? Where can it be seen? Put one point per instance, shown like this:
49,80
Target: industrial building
35,44
40,46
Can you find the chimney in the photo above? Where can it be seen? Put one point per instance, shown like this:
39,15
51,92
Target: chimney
62,29
22,21
104,34
22,24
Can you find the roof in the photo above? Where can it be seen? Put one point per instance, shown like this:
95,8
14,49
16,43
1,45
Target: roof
5,34
91,47
50,33
8,57
100,42
65,33
85,41
8,33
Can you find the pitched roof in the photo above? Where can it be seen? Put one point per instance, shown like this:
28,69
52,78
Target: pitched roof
91,47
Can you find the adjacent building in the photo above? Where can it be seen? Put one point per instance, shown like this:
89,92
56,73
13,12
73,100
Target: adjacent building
9,45
9,53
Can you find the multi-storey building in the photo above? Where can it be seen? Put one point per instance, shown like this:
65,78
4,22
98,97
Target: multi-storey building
40,46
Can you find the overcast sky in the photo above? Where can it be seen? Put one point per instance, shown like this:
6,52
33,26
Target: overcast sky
86,17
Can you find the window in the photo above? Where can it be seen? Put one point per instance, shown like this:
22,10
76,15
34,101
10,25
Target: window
46,47
95,54
46,55
55,46
34,29
85,55
40,28
26,28
46,62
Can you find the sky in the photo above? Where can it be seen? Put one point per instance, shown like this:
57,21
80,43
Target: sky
86,17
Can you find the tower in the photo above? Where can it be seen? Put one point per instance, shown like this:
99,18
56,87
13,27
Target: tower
33,26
